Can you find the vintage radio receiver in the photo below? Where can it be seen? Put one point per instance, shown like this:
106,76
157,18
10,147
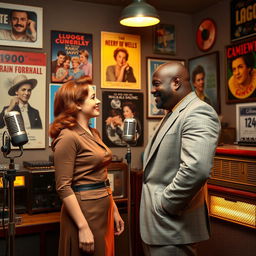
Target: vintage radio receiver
42,196
20,189
233,172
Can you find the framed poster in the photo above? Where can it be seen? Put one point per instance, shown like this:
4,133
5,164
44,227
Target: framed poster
241,72
243,19
246,122
204,75
28,32
152,64
120,61
71,56
164,39
23,89
117,107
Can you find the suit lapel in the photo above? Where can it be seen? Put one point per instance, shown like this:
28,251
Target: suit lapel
153,145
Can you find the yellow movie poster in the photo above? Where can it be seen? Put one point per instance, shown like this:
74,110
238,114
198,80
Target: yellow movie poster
120,61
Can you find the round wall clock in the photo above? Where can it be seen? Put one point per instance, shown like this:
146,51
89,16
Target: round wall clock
206,34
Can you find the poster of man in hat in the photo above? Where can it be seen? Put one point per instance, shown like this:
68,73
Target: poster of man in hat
22,76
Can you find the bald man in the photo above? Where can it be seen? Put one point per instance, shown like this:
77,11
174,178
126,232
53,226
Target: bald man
177,162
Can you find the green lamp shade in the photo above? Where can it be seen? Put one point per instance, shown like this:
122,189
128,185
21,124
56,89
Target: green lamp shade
139,14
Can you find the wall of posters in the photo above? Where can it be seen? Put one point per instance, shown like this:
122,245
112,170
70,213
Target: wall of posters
23,89
241,72
120,61
243,19
28,33
117,107
71,56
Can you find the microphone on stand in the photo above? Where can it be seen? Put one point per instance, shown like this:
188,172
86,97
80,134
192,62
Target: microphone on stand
18,137
129,131
129,136
16,129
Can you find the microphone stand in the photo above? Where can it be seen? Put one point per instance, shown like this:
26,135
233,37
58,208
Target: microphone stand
8,178
128,158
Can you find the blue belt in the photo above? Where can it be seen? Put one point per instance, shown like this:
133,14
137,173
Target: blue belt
91,186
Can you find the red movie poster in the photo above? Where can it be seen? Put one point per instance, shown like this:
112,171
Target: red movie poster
71,56
241,72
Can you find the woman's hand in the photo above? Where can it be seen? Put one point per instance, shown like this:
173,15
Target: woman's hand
119,223
86,240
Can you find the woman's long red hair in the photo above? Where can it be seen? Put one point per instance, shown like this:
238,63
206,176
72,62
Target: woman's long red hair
67,98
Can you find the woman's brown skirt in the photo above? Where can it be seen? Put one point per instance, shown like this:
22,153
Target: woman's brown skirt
99,215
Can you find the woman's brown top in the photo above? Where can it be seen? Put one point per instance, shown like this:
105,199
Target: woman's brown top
80,158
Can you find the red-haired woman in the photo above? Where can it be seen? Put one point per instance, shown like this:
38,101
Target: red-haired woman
89,213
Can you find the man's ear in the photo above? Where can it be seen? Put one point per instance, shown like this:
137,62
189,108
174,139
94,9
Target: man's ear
78,107
177,83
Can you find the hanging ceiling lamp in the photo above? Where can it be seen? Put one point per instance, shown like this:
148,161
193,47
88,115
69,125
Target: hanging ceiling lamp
139,14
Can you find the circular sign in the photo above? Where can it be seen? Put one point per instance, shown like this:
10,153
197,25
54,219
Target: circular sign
206,34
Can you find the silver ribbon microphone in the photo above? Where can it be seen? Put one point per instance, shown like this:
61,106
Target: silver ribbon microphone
15,126
129,131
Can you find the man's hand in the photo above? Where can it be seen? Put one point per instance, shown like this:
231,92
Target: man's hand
32,26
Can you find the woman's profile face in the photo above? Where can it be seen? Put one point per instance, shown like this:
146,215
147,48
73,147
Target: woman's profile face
121,58
127,112
90,107
240,71
24,93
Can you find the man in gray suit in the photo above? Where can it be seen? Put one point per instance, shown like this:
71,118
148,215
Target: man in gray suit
177,162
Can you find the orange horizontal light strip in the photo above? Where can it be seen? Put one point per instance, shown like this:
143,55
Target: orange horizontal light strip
238,212
18,182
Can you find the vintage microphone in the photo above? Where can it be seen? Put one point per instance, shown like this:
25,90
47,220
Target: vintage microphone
18,137
129,136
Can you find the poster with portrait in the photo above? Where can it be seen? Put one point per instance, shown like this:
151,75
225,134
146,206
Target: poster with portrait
117,107
23,89
21,25
53,88
152,64
71,56
120,61
241,72
204,78
242,19
164,39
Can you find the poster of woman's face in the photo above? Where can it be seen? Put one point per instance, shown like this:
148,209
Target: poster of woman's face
117,107
241,72
21,25
120,61
204,78
23,87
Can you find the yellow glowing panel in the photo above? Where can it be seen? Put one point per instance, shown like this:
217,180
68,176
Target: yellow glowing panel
139,21
239,212
19,181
